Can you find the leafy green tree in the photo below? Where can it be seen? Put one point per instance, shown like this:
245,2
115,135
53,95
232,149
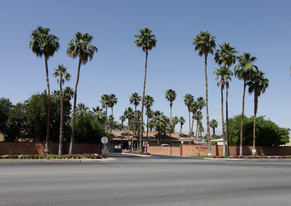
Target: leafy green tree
244,70
182,121
205,44
62,75
82,48
257,85
268,133
188,101
45,44
170,95
146,40
148,102
5,107
88,128
213,125
161,122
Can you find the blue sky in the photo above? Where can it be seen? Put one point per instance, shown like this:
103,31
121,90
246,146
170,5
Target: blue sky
260,27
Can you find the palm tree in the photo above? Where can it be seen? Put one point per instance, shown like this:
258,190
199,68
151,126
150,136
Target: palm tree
213,125
222,73
122,119
62,75
170,96
45,44
198,117
80,47
148,102
257,85
226,55
182,121
205,43
135,100
112,101
146,41
82,109
244,70
175,121
105,102
201,105
128,113
193,108
188,100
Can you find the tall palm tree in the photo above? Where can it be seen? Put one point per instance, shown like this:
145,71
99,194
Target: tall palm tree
226,55
80,47
45,44
213,125
148,102
62,75
201,105
182,121
244,70
257,85
135,100
170,96
105,102
112,101
205,44
82,109
188,100
146,40
222,73
193,108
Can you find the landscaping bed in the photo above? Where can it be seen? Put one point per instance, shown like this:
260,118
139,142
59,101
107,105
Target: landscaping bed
136,153
54,156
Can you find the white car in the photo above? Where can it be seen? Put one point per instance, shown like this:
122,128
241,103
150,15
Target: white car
165,145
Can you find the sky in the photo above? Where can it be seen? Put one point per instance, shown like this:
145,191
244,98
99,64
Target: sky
260,27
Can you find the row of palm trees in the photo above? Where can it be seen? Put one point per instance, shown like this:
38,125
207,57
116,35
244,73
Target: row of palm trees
45,44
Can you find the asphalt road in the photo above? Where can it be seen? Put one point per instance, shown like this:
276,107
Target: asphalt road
151,181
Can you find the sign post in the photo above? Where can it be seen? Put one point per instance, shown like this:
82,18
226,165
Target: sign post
104,141
145,144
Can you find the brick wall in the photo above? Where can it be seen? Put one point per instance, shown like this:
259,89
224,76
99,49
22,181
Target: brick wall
38,148
202,150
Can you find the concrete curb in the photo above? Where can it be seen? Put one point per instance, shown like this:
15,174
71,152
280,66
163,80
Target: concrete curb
136,155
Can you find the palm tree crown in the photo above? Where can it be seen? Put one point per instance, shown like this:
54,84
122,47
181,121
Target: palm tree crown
224,73
62,73
43,43
245,70
81,47
170,96
204,43
145,39
225,55
135,99
188,100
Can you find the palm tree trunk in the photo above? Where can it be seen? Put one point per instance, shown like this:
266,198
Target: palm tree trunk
61,118
222,120
226,116
181,128
242,120
74,108
255,116
46,148
189,126
111,123
207,114
213,129
171,115
142,102
197,131
192,125
147,128
105,123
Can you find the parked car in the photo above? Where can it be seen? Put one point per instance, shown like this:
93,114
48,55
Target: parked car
165,145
